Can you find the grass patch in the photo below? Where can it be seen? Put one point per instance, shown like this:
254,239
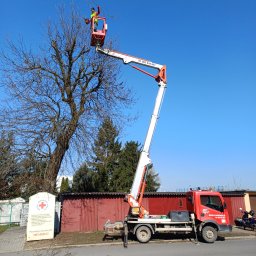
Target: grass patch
3,228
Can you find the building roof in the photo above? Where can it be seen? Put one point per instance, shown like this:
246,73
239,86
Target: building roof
117,194
147,194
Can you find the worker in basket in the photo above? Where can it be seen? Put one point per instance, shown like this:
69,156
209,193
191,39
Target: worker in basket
94,15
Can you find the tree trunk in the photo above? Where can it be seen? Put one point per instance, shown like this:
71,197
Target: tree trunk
57,157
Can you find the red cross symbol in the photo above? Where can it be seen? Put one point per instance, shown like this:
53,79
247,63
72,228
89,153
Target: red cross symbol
42,205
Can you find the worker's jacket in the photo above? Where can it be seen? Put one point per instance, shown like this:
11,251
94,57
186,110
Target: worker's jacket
95,15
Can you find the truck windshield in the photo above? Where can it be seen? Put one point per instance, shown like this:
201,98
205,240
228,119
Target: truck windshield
213,202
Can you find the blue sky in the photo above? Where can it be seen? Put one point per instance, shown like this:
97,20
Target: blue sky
206,134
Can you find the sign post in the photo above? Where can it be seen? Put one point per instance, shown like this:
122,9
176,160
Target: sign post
41,216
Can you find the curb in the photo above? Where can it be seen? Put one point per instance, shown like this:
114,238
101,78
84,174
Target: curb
240,237
132,242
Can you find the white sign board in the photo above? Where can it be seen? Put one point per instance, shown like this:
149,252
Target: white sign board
41,217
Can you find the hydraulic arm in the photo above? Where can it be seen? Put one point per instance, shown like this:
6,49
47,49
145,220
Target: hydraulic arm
136,194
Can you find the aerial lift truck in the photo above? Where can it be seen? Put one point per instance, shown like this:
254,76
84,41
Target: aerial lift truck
206,213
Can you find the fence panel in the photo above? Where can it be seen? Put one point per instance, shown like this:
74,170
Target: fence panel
10,212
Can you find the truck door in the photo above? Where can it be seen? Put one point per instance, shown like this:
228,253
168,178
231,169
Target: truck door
212,207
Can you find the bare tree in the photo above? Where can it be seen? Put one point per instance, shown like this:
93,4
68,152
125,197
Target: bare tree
59,93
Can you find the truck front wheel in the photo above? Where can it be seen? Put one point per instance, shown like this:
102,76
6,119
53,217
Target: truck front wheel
209,234
143,234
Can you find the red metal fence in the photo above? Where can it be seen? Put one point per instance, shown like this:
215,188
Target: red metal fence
85,212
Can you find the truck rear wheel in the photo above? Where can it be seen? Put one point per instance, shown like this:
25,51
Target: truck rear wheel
209,234
143,234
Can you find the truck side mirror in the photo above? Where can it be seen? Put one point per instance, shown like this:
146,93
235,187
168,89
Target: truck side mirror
222,207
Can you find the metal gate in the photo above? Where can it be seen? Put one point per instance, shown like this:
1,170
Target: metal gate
10,213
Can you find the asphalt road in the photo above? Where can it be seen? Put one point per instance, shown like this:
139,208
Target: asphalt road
245,247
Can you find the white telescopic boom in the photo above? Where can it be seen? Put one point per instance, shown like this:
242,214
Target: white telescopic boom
161,79
128,58
144,157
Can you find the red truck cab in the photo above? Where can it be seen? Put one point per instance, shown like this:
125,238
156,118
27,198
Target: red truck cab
210,211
